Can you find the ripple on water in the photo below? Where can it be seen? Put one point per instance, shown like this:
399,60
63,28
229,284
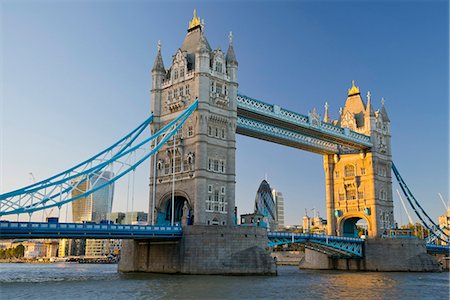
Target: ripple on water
80,281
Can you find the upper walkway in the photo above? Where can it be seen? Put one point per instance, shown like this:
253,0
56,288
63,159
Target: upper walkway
275,124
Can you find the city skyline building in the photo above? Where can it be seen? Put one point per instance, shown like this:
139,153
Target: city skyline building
279,202
315,223
96,206
265,205
131,217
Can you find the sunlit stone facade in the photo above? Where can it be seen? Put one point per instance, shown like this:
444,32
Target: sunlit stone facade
203,158
359,185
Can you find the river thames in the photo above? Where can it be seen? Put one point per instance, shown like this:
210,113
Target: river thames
91,281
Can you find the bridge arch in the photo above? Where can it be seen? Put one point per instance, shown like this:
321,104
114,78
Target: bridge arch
347,224
165,208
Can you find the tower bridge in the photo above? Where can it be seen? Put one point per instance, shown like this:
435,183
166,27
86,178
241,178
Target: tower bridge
196,114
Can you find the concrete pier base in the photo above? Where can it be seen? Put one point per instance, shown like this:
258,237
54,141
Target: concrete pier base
202,250
380,255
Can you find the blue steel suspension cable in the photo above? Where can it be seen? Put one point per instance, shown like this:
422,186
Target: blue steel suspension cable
182,118
415,200
138,129
403,187
101,165
408,193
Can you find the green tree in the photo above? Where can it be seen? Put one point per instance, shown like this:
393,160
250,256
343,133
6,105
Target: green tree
19,251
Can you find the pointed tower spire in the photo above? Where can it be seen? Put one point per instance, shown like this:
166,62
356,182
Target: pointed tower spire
231,57
159,64
384,112
326,118
354,90
369,108
194,22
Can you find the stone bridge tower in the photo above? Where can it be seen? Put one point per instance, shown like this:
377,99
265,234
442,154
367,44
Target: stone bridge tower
204,156
359,185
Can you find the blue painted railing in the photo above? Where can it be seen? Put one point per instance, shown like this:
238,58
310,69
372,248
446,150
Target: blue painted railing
10,230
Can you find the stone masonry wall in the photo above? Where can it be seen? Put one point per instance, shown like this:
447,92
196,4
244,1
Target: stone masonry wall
203,250
388,255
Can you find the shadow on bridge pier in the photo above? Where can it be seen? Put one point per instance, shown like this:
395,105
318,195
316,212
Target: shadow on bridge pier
224,250
384,255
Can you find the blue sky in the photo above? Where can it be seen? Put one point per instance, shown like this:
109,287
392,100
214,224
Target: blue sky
75,77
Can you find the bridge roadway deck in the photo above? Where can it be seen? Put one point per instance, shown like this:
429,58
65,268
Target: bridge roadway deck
9,230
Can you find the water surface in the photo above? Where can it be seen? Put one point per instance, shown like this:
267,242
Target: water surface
90,281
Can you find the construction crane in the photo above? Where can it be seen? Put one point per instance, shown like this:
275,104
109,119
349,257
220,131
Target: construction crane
442,199
44,212
404,206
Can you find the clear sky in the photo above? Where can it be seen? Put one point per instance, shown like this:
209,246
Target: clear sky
75,77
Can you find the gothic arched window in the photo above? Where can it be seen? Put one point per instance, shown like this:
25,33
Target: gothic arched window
349,170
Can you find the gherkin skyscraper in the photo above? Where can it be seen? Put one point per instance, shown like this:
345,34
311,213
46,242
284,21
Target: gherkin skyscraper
264,204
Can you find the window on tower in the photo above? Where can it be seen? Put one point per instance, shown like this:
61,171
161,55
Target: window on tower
349,170
219,67
190,131
219,88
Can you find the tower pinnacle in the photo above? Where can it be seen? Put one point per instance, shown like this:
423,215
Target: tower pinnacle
326,117
159,64
195,21
354,90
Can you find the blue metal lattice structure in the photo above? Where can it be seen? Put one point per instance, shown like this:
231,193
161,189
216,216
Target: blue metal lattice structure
346,245
273,123
121,158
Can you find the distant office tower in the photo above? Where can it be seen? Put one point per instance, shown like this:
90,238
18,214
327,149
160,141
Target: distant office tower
264,204
279,202
131,217
96,206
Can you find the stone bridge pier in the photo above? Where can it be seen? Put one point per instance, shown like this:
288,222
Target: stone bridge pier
228,250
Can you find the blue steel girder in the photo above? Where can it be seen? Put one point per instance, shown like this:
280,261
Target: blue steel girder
10,230
310,125
348,245
283,136
432,248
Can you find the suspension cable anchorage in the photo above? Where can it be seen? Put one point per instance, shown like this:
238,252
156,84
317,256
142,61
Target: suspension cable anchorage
48,198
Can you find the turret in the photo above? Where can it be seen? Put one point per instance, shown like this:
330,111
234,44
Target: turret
326,117
158,72
232,63
369,115
202,54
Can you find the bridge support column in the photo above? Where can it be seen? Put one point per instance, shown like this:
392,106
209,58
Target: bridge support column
384,255
228,250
